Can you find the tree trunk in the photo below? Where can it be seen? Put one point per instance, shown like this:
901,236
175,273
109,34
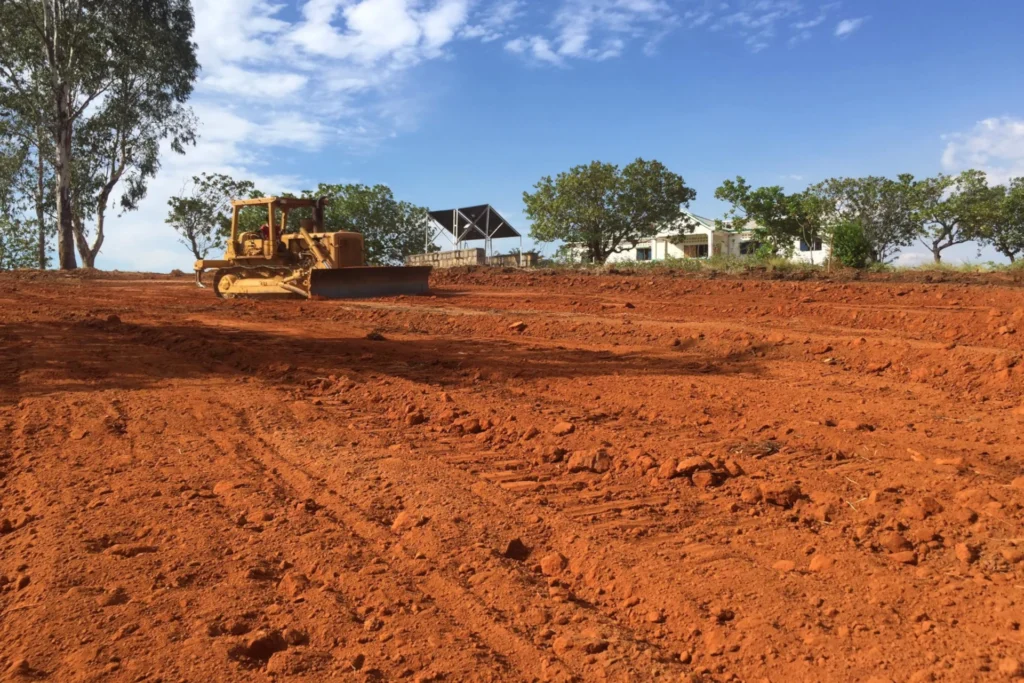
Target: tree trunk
85,250
65,216
937,253
40,209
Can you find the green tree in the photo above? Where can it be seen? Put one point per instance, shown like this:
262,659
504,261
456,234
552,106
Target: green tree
201,215
765,211
1006,230
34,185
16,238
777,219
17,244
886,210
954,210
62,60
120,145
849,246
391,229
603,210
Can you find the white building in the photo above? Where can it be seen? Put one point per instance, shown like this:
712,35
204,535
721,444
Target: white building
706,240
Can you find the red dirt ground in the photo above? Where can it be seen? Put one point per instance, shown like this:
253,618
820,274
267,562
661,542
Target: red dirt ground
522,477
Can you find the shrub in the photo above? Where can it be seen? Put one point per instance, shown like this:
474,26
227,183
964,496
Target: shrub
849,245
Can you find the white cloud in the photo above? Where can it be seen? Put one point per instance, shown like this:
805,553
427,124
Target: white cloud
602,29
494,23
595,30
847,26
994,145
536,47
251,84
285,77
911,259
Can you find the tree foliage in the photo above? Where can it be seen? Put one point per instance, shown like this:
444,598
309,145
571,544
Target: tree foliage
391,229
201,214
849,245
603,210
886,210
65,62
1006,229
776,219
119,148
16,238
954,209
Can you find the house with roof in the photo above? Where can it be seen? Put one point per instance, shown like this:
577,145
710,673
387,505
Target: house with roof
707,239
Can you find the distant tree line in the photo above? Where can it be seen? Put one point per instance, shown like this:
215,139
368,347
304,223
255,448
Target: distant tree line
597,210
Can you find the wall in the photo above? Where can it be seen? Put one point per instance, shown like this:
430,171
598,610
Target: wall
470,257
513,260
448,259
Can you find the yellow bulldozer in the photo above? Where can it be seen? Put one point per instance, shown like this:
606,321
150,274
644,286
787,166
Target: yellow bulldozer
310,263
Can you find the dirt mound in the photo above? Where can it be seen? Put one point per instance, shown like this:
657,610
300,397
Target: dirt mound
523,476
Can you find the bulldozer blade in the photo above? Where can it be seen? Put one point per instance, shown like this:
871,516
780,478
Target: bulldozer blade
369,282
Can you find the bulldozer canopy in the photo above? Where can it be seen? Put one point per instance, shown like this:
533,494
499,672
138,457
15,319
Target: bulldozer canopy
286,203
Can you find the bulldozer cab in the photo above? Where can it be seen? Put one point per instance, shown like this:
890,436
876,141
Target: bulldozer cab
270,245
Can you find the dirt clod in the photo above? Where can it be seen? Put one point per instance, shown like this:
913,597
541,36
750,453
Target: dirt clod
563,429
553,564
516,550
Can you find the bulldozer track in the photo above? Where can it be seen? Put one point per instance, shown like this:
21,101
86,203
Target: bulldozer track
242,272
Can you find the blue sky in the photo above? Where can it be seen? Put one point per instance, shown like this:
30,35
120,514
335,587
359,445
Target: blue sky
460,102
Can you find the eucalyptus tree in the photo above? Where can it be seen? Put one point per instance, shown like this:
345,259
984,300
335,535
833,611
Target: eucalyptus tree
65,61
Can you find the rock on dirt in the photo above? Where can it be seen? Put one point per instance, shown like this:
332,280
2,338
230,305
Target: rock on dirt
259,647
1011,668
516,550
692,464
904,557
553,564
781,493
667,469
820,563
893,541
597,461
563,429
518,326
113,596
293,584
968,554
705,479
406,520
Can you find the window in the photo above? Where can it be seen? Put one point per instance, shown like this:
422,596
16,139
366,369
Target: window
748,248
804,246
695,250
643,254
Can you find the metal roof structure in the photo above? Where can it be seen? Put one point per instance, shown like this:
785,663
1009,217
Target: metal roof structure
474,223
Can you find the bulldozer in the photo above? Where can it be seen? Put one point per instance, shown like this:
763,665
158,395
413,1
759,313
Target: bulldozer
310,263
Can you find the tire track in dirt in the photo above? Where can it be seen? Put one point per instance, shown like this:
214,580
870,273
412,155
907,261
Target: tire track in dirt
467,607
